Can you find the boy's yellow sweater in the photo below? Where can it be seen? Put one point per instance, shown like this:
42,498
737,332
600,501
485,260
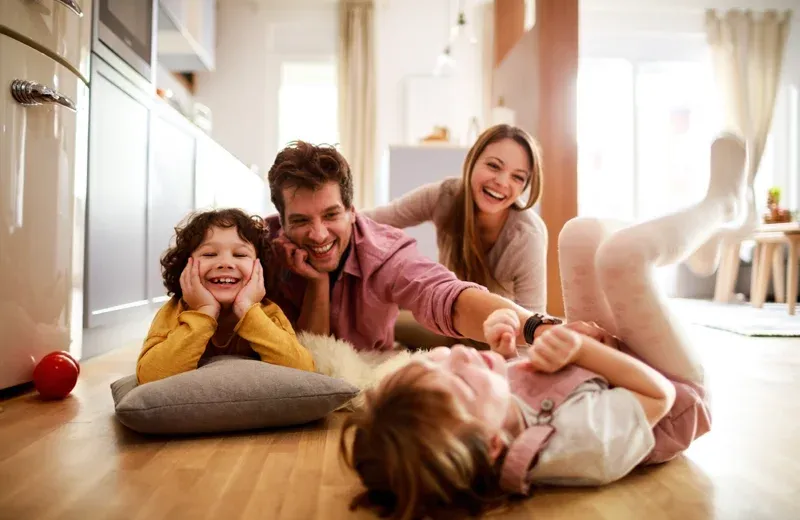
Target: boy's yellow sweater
179,338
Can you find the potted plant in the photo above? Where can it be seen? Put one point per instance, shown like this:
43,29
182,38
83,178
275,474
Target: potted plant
775,214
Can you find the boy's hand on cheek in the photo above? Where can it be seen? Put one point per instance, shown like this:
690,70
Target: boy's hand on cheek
252,292
196,296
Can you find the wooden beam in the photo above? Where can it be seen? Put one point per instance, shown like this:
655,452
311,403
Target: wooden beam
509,26
557,73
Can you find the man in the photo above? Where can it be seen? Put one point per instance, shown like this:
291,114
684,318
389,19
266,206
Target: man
348,276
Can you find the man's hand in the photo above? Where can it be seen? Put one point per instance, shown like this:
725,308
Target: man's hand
555,349
296,258
501,329
594,331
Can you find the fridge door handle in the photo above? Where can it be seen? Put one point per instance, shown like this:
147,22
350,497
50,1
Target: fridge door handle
30,93
73,6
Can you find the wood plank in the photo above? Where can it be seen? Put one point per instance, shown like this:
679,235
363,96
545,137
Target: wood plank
509,26
73,460
557,50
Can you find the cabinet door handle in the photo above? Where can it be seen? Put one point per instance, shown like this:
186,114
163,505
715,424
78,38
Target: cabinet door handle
29,93
73,6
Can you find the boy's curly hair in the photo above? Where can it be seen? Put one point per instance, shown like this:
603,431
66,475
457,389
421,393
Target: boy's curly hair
192,231
419,454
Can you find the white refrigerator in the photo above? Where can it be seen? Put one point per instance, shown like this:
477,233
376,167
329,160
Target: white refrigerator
44,94
406,168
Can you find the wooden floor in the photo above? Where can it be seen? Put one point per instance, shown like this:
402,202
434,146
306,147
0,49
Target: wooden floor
72,460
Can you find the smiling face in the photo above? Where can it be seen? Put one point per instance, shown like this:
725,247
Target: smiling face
501,173
226,263
318,221
476,379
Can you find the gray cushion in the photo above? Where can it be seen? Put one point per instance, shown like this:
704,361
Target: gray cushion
228,394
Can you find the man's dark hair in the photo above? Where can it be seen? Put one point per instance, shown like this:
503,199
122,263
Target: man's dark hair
304,165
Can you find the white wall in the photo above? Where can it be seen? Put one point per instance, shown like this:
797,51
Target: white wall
410,35
253,38
516,80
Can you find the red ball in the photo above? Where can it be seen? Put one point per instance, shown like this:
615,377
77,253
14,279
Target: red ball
68,355
55,376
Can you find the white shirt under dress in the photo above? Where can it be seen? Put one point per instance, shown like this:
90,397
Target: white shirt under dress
601,434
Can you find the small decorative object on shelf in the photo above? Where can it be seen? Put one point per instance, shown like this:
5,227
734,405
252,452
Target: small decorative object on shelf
473,132
501,114
440,134
775,214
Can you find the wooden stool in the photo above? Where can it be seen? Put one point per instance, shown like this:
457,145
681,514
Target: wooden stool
768,256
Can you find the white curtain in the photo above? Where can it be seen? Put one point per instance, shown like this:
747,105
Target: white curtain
747,50
357,104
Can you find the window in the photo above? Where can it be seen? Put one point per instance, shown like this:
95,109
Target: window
676,118
605,139
644,133
308,103
644,130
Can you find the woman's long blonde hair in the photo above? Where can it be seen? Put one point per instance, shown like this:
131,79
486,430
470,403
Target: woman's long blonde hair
463,250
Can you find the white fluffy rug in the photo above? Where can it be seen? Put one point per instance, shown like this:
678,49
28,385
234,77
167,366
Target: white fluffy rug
338,358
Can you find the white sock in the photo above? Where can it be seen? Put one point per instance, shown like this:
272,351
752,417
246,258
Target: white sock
705,260
626,263
727,183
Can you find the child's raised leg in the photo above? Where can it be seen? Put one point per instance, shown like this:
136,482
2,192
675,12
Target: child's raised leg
584,299
626,262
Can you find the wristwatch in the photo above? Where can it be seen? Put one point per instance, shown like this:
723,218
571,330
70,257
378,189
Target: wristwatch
532,323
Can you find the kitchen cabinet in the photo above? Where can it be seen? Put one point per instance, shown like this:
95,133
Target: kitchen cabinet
171,185
187,34
116,277
149,168
43,125
223,181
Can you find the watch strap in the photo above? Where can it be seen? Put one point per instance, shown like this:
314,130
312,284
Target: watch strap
533,322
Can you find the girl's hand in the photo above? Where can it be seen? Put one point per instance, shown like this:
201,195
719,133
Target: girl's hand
296,258
196,296
555,349
252,292
500,330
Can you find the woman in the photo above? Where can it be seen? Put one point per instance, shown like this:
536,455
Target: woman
484,233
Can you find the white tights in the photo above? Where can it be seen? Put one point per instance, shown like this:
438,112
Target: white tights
607,269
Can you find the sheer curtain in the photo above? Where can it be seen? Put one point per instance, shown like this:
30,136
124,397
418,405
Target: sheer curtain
747,49
357,105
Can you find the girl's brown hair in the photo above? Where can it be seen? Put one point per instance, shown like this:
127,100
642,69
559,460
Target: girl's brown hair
192,231
463,250
418,452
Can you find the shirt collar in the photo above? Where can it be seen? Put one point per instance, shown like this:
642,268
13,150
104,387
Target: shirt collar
351,264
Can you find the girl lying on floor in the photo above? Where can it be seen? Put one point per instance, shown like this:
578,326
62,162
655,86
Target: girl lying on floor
459,431
215,277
